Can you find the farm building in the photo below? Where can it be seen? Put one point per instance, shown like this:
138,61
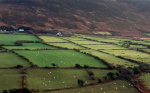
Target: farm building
21,30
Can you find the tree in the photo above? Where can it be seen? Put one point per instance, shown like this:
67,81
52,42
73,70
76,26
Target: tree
105,77
136,70
99,80
5,91
81,82
54,65
110,74
77,66
91,73
86,66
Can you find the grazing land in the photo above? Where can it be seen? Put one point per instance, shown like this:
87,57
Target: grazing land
30,46
11,60
52,39
10,79
55,78
99,47
63,58
101,64
115,61
131,54
88,42
117,86
10,39
66,45
146,79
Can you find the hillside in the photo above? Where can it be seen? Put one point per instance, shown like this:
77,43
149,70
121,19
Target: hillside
121,17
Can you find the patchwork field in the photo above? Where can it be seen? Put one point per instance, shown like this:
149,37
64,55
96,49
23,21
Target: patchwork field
66,45
146,79
88,42
130,54
137,46
101,73
55,78
11,60
108,46
10,79
54,64
117,86
63,58
10,39
110,59
30,46
52,39
73,38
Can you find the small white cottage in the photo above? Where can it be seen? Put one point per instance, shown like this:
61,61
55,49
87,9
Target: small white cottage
21,30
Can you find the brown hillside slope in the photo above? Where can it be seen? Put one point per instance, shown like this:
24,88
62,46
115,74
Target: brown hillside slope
122,17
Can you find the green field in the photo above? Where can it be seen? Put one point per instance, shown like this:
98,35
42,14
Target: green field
146,79
66,45
55,78
137,46
30,46
74,38
117,86
11,60
108,46
64,58
130,54
88,42
52,39
10,79
10,39
99,73
110,59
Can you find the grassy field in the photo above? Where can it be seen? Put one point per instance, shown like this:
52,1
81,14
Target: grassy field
10,79
10,39
130,54
99,73
146,79
64,58
11,60
108,46
52,39
137,46
30,46
66,45
110,59
73,38
87,42
117,86
55,78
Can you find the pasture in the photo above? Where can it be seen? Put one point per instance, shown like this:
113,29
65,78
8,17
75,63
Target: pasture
10,39
11,60
110,59
88,42
10,79
52,39
63,58
145,79
107,46
117,86
100,73
55,78
130,54
30,46
66,45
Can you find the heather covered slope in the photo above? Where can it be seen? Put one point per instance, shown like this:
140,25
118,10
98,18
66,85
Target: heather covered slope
121,17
